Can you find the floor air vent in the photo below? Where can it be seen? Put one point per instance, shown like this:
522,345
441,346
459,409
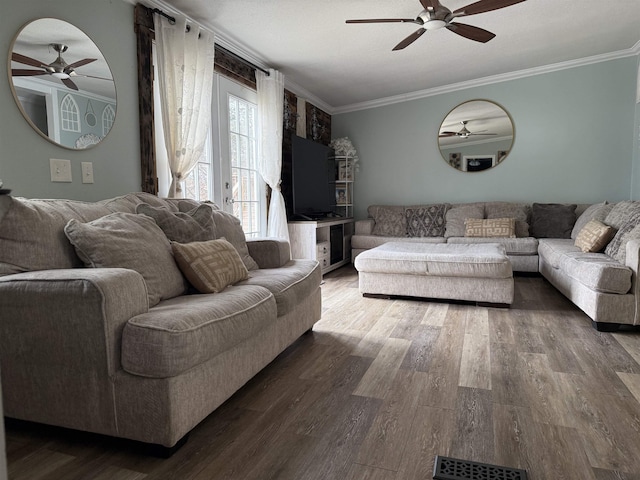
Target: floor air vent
453,469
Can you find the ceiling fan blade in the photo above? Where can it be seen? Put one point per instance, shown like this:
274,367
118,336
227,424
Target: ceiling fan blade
448,134
19,72
386,20
410,39
69,84
430,5
471,32
484,6
16,57
483,134
80,63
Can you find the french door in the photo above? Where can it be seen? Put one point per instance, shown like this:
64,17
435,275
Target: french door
240,189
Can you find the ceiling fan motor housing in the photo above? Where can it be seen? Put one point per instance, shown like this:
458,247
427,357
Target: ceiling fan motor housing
434,20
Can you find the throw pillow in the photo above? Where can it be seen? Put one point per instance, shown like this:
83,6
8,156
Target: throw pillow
458,214
520,211
552,220
597,211
228,226
127,240
621,213
195,225
633,234
426,221
210,266
594,236
617,247
389,220
492,227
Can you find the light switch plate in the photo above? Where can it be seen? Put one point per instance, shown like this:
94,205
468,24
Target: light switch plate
87,172
60,170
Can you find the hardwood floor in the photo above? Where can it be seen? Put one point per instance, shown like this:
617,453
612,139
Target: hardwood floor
382,386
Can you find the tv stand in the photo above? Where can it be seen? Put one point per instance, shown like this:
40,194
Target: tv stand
327,240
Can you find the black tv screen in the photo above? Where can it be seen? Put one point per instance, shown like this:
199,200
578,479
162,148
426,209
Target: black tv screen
312,172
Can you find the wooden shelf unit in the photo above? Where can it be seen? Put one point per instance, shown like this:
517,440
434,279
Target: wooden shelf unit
328,241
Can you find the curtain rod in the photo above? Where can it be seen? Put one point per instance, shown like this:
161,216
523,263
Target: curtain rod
172,20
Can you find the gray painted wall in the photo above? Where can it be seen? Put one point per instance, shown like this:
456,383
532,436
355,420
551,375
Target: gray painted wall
574,142
24,157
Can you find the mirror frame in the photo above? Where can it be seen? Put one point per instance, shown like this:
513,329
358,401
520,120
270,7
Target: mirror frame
496,159
85,140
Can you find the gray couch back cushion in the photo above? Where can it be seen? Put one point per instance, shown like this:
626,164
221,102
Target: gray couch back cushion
552,220
456,216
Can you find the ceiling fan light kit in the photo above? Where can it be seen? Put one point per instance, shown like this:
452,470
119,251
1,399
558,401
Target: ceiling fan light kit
436,16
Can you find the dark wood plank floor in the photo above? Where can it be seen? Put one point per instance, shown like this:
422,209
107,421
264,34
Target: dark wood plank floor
382,386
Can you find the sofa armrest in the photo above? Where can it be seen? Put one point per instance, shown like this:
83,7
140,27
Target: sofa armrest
269,252
633,261
365,227
68,317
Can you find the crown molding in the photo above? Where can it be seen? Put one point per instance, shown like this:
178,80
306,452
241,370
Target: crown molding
307,96
479,82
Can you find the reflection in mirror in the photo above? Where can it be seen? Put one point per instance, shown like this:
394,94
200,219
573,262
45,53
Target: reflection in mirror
476,135
62,83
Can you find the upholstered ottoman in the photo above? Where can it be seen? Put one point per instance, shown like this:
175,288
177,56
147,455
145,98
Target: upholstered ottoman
471,272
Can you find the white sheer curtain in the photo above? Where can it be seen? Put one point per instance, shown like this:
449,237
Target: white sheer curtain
270,110
185,68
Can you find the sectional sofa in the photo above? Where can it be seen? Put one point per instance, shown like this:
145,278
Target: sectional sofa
136,317
589,252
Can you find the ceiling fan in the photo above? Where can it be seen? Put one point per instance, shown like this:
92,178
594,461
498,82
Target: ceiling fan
58,68
436,16
463,132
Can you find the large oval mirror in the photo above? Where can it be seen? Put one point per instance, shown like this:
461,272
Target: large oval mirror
476,135
62,83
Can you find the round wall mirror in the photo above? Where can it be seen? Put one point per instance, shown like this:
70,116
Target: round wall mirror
62,83
476,135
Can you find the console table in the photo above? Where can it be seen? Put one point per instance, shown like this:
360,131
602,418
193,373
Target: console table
328,241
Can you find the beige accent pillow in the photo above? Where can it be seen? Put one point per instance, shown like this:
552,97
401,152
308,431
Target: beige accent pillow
594,236
490,227
127,240
210,266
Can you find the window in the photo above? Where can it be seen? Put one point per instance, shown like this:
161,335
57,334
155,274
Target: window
108,117
199,182
245,178
69,114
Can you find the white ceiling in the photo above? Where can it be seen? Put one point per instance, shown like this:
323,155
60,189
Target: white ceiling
346,65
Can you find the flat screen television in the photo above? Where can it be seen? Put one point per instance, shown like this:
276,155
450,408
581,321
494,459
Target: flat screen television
312,175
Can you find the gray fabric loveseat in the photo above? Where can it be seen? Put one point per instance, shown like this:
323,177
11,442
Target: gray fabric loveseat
130,348
595,269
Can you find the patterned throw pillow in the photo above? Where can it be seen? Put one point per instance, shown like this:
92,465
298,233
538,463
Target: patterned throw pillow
491,227
617,247
594,236
621,213
426,221
195,225
210,266
389,221
552,220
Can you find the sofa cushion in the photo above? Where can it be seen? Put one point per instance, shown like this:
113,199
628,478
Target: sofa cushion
596,271
183,332
457,215
289,284
520,211
196,225
228,227
621,213
552,220
209,266
490,227
366,242
513,246
426,220
390,221
129,202
126,240
32,233
617,248
594,236
597,211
